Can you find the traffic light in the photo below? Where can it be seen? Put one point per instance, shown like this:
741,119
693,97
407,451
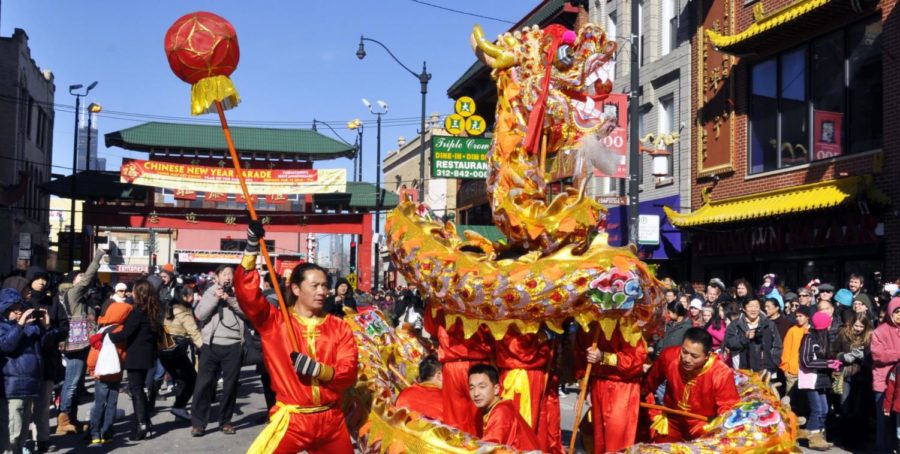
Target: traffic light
353,256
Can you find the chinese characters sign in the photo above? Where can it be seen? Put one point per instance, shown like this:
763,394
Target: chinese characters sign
459,157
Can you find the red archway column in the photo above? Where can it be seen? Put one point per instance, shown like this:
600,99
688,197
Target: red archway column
364,254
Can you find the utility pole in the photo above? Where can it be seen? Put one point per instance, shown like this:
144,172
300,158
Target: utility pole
634,157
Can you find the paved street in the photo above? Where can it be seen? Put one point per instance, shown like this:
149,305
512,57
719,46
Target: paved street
173,435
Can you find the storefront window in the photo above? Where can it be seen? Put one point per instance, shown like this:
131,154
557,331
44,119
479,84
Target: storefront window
818,101
864,62
763,120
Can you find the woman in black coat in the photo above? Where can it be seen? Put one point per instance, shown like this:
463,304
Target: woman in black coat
755,340
139,335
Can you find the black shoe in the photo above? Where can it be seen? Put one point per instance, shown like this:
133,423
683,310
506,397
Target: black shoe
44,446
142,432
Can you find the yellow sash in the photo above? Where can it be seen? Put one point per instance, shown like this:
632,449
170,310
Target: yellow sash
516,382
268,440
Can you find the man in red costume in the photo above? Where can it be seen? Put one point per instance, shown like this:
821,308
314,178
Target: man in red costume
615,387
457,354
524,361
308,384
425,396
697,382
501,422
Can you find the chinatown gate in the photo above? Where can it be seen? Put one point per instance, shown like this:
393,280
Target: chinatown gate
204,229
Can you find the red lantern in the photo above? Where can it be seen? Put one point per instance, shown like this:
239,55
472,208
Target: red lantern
202,50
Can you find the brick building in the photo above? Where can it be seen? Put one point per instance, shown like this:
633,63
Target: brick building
794,162
26,151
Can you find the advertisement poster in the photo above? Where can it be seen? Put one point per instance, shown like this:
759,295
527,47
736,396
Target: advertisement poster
175,176
459,157
827,134
616,106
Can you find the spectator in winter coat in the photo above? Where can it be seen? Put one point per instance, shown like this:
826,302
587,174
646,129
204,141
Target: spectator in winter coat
885,356
715,326
754,340
852,349
678,324
816,359
139,334
343,297
773,312
106,387
81,321
182,326
742,291
22,329
52,346
790,357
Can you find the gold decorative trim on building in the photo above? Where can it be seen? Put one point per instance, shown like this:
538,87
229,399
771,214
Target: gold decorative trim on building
795,199
766,21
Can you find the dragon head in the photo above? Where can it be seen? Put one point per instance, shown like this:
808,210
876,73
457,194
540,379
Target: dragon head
579,68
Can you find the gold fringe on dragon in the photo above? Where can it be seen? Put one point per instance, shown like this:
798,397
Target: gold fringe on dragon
556,264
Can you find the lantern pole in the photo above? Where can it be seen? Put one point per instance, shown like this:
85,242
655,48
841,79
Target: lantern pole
263,249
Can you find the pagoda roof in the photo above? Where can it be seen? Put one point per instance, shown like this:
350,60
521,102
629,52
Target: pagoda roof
158,137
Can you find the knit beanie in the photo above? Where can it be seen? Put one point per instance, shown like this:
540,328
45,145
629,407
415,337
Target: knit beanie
844,297
821,320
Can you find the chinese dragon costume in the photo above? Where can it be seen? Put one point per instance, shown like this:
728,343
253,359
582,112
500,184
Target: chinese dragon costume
556,264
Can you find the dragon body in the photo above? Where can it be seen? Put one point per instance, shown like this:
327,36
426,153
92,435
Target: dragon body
556,264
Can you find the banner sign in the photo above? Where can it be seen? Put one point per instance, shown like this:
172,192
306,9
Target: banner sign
616,106
459,157
188,177
827,134
210,257
183,194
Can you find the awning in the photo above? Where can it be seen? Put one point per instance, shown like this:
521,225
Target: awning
796,199
771,30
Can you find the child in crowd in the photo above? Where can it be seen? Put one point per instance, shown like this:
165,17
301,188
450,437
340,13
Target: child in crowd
106,387
21,332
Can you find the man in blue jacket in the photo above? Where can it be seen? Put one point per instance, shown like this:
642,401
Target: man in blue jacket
21,333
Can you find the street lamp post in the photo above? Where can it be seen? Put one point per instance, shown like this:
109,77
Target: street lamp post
357,125
378,198
92,109
73,91
423,78
634,162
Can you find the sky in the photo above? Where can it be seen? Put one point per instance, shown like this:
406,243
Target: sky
298,62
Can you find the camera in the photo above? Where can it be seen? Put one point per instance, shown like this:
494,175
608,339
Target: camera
229,290
38,314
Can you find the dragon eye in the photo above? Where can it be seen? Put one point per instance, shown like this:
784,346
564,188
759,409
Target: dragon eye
564,57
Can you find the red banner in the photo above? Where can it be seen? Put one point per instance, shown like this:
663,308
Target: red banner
215,197
827,134
277,199
616,105
182,194
239,198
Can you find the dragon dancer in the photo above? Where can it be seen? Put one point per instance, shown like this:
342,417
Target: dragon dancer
500,421
615,387
524,361
696,382
308,384
457,354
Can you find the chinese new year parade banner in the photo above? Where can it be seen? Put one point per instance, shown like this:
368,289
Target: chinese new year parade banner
187,177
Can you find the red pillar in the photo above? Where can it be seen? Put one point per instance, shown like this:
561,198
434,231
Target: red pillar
364,253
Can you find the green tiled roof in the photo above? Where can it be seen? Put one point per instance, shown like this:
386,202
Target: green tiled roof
490,232
363,195
537,16
95,184
189,138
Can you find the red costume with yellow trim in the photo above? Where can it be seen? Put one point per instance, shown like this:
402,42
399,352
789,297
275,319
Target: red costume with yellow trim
615,388
502,424
524,362
709,392
424,398
308,415
457,354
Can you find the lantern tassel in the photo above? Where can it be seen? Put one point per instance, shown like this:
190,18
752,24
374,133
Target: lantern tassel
209,90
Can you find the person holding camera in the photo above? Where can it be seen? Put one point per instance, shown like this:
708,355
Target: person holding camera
223,337
21,331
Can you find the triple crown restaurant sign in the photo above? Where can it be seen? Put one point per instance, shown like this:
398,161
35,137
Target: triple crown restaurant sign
459,157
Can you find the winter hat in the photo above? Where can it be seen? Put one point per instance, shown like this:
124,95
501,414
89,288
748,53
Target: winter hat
17,283
8,297
121,286
821,320
791,297
805,310
777,297
826,287
813,283
34,273
844,297
696,303
716,282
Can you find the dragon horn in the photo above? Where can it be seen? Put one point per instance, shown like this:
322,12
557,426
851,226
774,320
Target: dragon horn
494,55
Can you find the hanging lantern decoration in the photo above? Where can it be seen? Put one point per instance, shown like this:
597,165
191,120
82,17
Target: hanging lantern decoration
202,50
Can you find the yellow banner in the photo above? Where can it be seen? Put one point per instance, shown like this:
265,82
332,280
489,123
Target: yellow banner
172,175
